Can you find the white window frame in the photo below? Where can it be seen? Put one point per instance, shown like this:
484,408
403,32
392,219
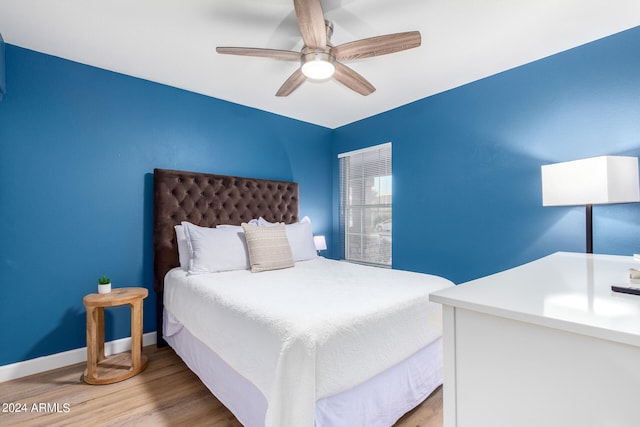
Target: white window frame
366,192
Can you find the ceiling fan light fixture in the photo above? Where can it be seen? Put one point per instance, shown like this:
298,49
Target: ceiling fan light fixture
320,59
318,65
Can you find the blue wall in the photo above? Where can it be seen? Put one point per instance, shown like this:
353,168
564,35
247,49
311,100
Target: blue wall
77,150
466,163
78,146
2,68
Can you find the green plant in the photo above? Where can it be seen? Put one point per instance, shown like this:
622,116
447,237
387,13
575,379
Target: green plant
104,280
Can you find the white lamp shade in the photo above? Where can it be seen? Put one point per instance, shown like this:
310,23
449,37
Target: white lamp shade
320,242
597,180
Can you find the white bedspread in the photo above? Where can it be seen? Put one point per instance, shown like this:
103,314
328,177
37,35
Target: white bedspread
308,332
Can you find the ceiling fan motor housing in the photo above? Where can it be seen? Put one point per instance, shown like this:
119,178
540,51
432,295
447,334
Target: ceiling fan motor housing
317,64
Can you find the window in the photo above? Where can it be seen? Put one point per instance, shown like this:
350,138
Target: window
365,205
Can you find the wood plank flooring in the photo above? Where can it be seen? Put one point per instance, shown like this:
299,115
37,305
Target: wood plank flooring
167,393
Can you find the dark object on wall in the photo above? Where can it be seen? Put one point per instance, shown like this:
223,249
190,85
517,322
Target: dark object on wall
3,82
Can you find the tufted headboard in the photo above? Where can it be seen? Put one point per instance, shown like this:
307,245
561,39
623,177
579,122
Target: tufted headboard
209,200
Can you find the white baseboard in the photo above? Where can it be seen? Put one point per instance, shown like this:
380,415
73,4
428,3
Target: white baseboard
66,358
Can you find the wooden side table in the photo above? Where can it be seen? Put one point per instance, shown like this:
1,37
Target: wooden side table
107,370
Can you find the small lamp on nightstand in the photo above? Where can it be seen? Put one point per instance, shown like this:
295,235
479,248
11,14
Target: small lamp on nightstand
594,181
320,243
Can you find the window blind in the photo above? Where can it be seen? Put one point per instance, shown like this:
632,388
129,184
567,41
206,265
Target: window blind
366,205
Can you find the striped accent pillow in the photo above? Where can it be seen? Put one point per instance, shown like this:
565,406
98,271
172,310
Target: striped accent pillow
268,247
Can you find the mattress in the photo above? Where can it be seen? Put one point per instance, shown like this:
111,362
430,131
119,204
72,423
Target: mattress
309,332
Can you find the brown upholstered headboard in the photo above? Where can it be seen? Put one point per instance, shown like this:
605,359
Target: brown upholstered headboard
209,200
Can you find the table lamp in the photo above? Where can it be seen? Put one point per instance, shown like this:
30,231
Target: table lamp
320,243
592,181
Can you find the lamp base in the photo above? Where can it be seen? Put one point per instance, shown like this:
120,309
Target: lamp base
589,222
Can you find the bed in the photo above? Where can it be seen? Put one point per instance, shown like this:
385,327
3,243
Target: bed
320,342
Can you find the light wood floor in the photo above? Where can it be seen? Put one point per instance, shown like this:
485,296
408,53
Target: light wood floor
167,393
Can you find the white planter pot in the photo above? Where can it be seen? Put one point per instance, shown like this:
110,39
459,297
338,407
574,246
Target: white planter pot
104,289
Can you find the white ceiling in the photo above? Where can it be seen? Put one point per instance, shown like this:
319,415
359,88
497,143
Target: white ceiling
173,42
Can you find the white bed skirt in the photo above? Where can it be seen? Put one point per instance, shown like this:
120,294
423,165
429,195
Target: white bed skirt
378,402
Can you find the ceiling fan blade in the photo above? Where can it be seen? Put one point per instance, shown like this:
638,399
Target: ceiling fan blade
311,23
286,55
377,46
353,80
292,83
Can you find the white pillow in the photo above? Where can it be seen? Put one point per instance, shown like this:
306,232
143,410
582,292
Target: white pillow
264,223
215,249
237,227
261,222
301,240
183,247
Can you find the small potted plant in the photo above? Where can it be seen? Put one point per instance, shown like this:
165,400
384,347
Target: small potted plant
104,285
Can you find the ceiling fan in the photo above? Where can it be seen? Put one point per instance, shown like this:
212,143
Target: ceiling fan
319,59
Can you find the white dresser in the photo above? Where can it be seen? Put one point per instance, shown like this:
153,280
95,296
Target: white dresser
544,344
